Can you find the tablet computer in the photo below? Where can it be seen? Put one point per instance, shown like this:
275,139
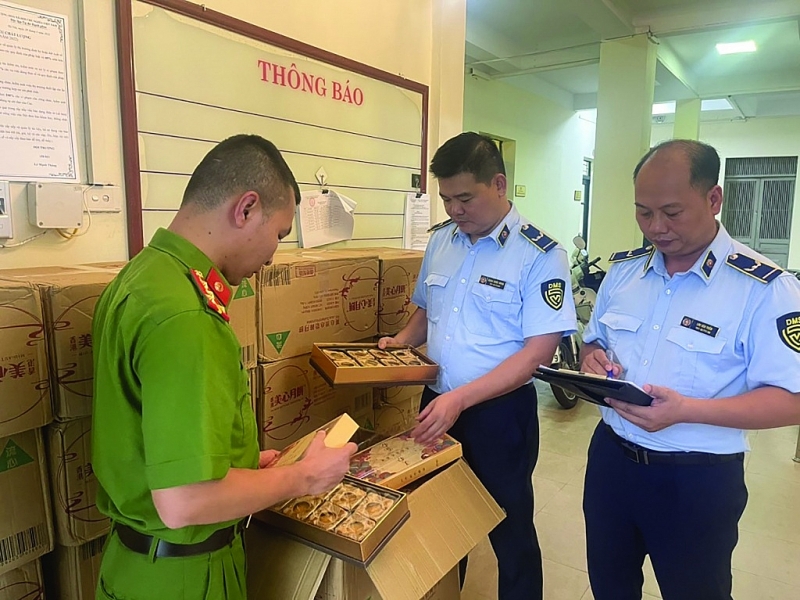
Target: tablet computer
594,388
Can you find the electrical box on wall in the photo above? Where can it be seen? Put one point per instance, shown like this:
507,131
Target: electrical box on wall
55,205
6,225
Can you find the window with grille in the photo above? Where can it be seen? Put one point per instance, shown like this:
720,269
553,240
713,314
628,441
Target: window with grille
758,202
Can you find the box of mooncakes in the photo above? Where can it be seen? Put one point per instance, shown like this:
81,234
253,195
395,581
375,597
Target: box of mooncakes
366,364
399,460
352,522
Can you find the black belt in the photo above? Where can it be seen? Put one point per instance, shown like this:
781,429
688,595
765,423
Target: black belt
141,543
645,456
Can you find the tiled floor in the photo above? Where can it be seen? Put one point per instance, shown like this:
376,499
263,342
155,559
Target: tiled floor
766,561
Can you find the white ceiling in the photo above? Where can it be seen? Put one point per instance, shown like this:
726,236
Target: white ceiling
552,47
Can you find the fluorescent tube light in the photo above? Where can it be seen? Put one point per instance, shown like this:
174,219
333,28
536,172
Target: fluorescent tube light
737,47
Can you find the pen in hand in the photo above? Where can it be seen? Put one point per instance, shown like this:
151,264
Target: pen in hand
612,358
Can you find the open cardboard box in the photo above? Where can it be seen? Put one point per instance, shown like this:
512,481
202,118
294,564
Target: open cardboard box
450,513
349,372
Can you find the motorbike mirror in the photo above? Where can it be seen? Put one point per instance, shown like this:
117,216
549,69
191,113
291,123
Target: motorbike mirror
579,242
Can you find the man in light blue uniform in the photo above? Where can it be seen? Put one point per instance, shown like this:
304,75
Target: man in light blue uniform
494,301
711,329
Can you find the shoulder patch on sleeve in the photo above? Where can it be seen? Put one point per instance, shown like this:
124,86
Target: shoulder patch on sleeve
439,226
631,254
789,330
537,238
752,267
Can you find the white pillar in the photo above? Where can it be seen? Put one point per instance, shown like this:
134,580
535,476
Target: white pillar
687,119
624,117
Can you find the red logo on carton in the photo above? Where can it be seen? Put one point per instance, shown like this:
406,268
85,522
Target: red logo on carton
287,395
359,298
395,299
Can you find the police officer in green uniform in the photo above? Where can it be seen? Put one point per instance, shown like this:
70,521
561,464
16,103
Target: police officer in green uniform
175,438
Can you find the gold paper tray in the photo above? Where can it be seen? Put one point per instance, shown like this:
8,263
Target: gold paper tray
348,549
382,375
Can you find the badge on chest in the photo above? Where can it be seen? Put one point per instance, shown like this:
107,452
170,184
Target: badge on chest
696,325
492,282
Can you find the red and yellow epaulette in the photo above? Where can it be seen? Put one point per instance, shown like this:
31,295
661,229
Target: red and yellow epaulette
214,290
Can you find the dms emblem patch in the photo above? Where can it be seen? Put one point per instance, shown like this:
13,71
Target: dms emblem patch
789,330
553,293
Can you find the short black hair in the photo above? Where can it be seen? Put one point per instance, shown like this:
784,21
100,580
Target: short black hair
703,162
468,152
237,165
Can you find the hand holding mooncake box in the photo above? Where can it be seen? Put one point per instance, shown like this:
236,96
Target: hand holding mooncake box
399,460
337,433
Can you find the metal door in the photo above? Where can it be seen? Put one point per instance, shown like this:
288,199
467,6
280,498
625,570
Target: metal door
759,197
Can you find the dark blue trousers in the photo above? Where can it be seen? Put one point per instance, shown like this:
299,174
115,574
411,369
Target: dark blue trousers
500,441
684,516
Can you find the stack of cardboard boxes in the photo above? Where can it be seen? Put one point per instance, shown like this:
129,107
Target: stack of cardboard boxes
50,529
306,297
46,374
396,407
313,296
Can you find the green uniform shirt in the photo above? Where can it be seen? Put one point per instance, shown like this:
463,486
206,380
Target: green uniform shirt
171,398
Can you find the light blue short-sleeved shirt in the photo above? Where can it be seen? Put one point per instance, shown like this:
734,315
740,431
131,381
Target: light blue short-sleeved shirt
484,299
714,331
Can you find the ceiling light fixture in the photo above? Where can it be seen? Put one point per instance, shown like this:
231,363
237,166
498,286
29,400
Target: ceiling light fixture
737,47
664,108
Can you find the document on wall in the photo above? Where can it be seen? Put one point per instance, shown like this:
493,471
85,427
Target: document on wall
417,221
324,217
37,126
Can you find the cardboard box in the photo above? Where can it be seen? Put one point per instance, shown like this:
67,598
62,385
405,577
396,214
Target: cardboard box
68,296
424,550
306,296
396,408
255,388
344,581
294,401
365,363
399,270
24,384
391,419
242,311
73,483
26,530
335,542
398,461
382,396
23,583
72,572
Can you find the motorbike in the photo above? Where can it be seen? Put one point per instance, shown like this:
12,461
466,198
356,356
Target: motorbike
586,277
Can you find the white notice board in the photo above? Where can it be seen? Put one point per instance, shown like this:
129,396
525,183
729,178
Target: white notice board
38,134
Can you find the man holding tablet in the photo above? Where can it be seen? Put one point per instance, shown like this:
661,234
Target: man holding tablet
711,330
